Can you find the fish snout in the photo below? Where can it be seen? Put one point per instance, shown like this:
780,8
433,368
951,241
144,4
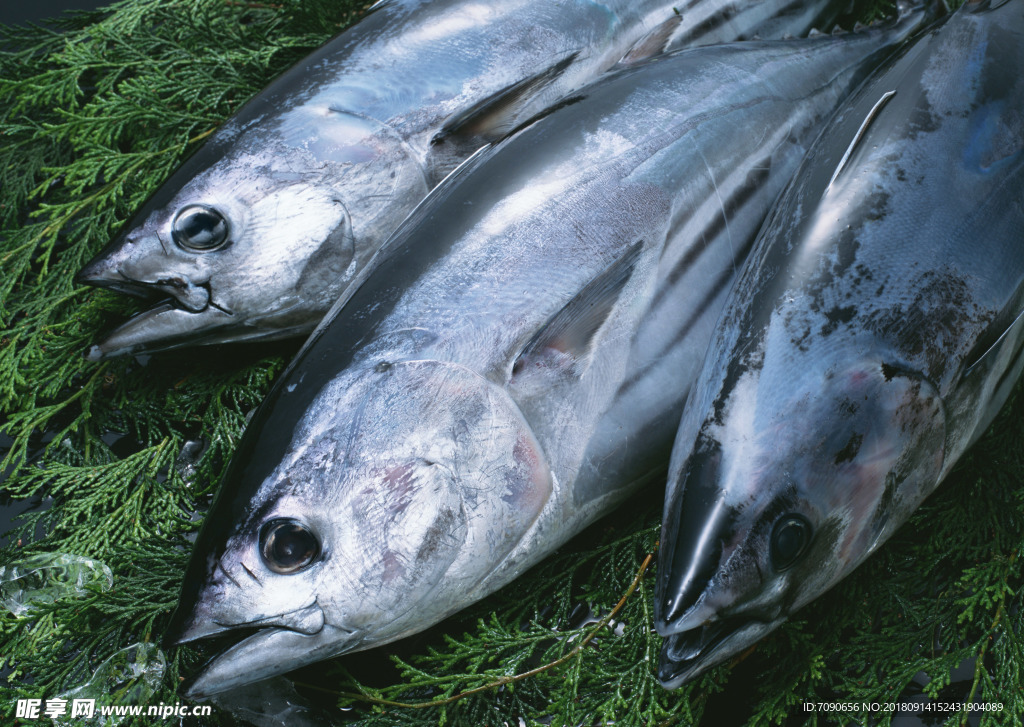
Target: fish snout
129,266
698,525
214,601
105,271
112,267
97,271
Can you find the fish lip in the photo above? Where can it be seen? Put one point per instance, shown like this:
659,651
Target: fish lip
688,654
227,670
185,294
164,326
122,284
158,329
308,620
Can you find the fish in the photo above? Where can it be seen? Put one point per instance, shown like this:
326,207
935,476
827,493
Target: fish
513,362
874,333
267,224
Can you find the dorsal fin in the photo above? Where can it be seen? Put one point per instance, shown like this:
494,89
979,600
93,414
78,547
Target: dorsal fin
653,42
490,119
565,339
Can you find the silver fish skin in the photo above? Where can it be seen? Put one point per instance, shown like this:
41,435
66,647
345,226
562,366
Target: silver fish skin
872,336
260,231
514,362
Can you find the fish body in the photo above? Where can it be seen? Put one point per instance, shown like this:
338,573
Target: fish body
512,363
871,337
262,229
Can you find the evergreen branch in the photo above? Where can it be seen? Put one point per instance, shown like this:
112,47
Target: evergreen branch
254,5
986,640
512,679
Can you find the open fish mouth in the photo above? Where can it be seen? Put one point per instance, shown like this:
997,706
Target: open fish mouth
186,312
688,654
263,647
125,286
190,296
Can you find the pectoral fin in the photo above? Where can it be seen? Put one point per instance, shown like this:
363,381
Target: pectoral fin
496,115
565,339
655,42
1001,347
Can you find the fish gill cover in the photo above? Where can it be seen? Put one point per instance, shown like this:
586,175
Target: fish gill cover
127,453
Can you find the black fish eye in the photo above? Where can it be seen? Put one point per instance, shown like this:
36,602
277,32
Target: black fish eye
287,546
790,538
198,227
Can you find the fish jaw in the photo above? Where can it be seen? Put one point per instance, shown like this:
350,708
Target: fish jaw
164,323
687,655
267,653
767,512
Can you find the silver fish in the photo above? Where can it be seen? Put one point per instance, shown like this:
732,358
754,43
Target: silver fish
872,336
258,233
514,362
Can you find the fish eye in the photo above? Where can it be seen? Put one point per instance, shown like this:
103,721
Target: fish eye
287,546
198,227
790,538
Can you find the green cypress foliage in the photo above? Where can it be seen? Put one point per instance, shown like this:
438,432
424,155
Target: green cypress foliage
93,116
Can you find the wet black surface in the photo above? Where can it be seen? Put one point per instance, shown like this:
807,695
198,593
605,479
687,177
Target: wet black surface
11,508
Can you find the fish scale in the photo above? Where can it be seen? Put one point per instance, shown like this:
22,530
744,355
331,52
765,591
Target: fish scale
269,223
464,411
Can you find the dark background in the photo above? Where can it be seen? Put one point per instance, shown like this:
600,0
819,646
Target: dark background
21,12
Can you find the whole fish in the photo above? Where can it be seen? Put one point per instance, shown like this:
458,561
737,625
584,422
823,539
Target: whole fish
260,231
514,362
872,336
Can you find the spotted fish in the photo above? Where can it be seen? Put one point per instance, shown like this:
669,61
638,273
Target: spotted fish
871,337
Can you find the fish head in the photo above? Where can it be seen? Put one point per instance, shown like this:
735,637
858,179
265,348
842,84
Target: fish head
788,486
256,241
380,521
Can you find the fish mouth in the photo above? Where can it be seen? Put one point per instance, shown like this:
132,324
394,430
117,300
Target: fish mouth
186,311
171,324
263,647
162,327
188,315
688,654
125,286
269,652
189,295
